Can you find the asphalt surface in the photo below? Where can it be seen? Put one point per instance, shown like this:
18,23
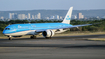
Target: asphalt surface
66,47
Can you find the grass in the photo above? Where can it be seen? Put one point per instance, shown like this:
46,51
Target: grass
97,39
1,35
75,33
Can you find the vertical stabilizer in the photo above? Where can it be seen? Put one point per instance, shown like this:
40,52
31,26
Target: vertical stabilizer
68,16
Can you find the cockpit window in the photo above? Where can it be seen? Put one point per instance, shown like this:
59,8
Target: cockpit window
7,29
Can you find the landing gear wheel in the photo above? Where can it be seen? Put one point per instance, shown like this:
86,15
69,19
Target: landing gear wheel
33,37
10,38
48,37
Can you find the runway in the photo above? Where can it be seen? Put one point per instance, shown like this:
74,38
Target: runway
65,47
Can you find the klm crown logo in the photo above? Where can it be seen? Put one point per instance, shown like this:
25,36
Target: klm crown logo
68,18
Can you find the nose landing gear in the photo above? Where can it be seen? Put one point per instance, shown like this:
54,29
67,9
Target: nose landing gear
10,37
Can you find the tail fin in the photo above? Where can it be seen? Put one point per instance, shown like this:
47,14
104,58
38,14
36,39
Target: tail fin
68,16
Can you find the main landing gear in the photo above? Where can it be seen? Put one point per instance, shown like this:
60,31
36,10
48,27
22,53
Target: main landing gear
48,37
33,37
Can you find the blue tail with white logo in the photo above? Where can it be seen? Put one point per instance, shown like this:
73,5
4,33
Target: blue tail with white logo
68,16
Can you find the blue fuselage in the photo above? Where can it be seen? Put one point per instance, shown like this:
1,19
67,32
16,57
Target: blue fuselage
34,26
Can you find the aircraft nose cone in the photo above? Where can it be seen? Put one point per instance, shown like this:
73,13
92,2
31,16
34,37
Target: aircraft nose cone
4,32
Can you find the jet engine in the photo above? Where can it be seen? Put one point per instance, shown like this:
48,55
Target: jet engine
48,33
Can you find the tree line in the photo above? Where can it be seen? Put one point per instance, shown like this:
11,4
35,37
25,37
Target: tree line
97,27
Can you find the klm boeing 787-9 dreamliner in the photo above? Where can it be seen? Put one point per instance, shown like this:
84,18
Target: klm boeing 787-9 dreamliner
47,29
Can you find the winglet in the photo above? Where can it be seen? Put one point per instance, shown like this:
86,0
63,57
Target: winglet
68,16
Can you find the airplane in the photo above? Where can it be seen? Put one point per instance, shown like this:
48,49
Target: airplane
48,30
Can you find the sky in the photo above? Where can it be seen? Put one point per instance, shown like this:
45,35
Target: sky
15,5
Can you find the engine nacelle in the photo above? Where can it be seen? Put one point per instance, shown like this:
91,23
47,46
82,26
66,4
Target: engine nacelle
48,33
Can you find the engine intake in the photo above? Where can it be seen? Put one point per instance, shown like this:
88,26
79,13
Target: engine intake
48,33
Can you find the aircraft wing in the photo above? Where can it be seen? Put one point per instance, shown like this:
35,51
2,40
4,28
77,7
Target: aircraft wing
64,27
82,25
